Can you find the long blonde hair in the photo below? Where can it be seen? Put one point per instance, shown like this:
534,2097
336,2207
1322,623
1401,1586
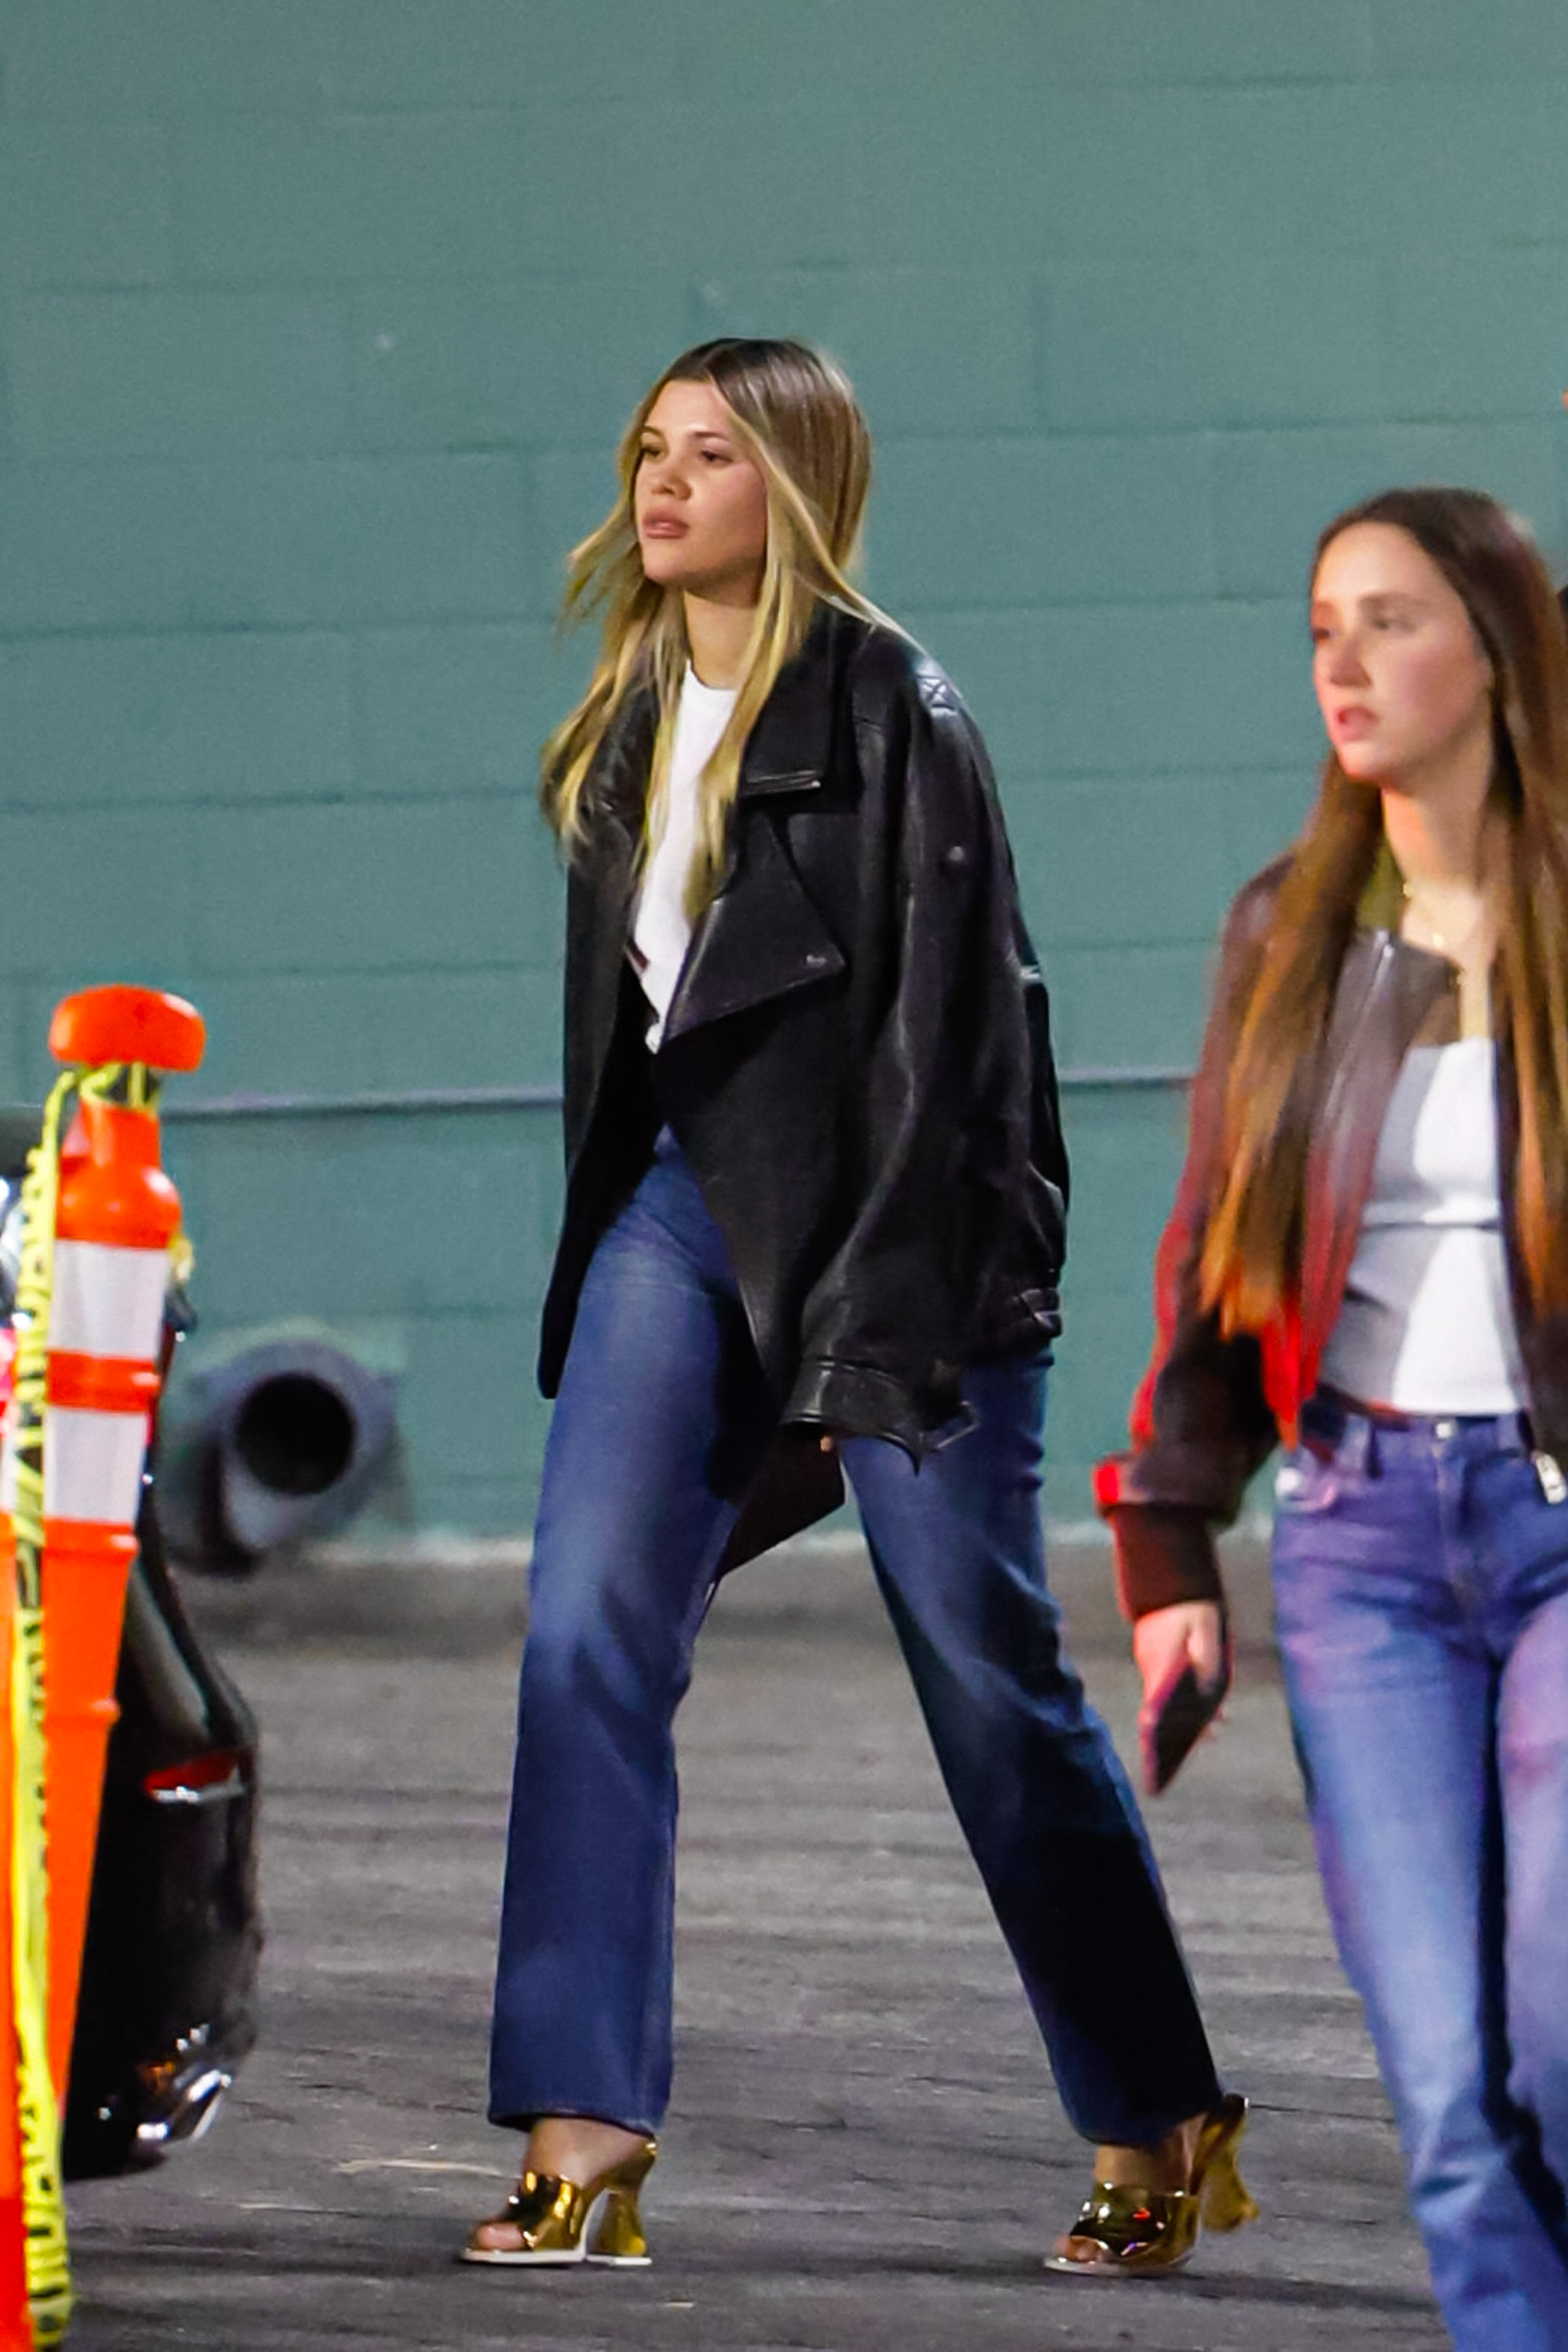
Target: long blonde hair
796,416
1250,1258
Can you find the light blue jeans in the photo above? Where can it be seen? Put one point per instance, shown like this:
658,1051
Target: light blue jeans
1421,1583
662,1419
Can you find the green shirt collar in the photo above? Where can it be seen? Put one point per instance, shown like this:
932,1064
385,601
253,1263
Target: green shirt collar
1381,907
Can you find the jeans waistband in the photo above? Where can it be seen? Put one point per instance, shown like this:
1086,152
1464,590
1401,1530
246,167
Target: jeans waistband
1329,1419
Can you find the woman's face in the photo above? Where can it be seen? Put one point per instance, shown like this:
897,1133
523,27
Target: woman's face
1402,679
699,500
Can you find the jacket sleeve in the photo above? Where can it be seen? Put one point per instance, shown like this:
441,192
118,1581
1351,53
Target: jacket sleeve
1200,1423
949,1115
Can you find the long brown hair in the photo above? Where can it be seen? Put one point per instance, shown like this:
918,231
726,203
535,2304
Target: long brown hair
1252,1249
796,416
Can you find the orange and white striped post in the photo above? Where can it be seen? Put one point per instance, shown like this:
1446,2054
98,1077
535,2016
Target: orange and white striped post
117,1214
98,1218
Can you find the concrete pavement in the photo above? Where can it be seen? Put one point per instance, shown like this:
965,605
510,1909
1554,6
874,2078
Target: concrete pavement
864,2154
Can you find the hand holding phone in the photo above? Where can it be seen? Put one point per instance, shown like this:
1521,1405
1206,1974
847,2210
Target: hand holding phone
1174,1716
1184,1653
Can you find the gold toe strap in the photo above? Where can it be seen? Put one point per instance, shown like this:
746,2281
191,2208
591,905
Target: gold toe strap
1127,2221
1127,2228
544,2211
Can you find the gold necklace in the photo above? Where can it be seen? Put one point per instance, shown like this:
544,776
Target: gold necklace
1457,949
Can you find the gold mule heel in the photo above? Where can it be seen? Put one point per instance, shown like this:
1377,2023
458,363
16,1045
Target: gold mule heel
617,2239
560,2221
1226,2202
1127,2230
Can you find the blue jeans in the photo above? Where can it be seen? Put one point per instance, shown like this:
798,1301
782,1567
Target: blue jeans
662,1419
1421,1582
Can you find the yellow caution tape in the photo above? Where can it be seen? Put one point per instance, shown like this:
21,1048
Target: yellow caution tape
43,2203
43,2199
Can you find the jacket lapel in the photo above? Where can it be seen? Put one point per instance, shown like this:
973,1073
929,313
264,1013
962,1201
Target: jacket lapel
618,785
788,749
761,938
601,894
1385,990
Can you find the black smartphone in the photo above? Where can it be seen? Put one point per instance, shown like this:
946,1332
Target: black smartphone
1172,1718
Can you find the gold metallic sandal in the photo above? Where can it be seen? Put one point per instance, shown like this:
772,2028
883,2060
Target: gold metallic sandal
560,2221
1139,2232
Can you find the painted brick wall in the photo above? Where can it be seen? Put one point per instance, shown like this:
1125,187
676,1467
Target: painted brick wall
317,319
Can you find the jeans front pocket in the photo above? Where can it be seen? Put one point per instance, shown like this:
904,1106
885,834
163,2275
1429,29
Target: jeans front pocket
1306,1484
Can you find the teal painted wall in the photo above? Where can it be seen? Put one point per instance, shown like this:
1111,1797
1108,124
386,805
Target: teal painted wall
318,321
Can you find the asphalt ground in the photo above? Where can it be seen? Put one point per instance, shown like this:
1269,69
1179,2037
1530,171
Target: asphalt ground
864,2153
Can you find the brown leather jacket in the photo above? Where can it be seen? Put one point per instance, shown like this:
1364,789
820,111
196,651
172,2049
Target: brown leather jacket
1210,1410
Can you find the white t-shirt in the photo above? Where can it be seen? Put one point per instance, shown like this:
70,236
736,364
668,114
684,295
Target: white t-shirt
1426,1325
662,932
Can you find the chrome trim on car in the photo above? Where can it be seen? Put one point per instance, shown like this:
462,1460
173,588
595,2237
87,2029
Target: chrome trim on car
210,1792
190,2113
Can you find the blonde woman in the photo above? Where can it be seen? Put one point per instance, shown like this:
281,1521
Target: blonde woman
1368,1259
815,1197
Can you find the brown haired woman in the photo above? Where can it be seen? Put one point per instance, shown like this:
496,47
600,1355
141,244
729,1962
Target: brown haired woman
816,1185
1369,1258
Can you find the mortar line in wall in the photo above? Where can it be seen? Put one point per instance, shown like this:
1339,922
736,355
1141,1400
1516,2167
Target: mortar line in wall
395,1101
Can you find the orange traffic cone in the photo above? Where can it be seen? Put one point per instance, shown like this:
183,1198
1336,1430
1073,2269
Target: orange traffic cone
116,1214
98,1216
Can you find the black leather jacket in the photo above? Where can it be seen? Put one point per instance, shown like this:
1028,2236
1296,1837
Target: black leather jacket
857,1060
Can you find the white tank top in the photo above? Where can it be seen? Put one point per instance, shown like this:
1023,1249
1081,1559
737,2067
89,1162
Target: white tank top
662,930
1426,1324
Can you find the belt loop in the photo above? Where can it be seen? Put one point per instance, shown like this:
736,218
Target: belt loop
1321,1426
1357,1445
1549,1474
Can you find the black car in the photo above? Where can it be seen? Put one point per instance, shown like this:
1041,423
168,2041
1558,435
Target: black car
168,1992
167,2010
